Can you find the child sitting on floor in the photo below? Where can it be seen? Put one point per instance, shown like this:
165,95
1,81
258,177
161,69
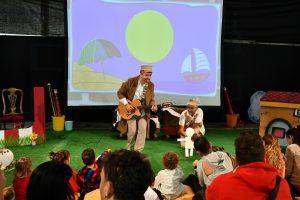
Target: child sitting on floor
273,154
21,177
63,156
88,178
168,181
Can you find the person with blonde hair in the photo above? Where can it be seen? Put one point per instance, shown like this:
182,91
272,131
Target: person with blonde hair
168,181
273,154
22,175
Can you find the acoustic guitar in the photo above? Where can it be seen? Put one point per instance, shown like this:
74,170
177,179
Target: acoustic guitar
137,107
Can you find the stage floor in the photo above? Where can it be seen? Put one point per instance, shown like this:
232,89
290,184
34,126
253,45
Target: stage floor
101,125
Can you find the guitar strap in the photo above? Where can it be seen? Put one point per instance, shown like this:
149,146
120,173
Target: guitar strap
191,122
143,100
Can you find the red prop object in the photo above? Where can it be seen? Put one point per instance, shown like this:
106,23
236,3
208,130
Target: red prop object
39,126
228,101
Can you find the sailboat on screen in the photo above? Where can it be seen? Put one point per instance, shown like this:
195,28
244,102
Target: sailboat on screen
195,67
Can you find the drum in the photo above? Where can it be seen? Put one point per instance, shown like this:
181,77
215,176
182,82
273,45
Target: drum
170,122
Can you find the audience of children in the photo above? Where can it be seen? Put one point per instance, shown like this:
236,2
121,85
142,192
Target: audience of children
292,163
56,180
49,181
21,177
63,156
273,153
168,181
88,178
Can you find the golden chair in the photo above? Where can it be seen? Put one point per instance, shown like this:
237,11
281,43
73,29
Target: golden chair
12,103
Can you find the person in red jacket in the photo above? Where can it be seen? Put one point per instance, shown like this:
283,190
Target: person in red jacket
253,178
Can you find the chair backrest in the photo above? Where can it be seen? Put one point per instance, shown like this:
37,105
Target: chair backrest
12,99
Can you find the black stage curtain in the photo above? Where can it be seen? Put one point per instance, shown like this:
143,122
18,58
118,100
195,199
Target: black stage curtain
262,21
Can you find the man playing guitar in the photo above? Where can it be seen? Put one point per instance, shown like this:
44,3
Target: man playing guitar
141,88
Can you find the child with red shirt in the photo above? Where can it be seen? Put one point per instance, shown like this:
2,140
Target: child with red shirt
21,177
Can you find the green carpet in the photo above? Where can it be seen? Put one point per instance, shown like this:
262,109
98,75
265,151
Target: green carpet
99,139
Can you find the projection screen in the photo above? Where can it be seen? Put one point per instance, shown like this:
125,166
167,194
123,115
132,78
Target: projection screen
108,40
